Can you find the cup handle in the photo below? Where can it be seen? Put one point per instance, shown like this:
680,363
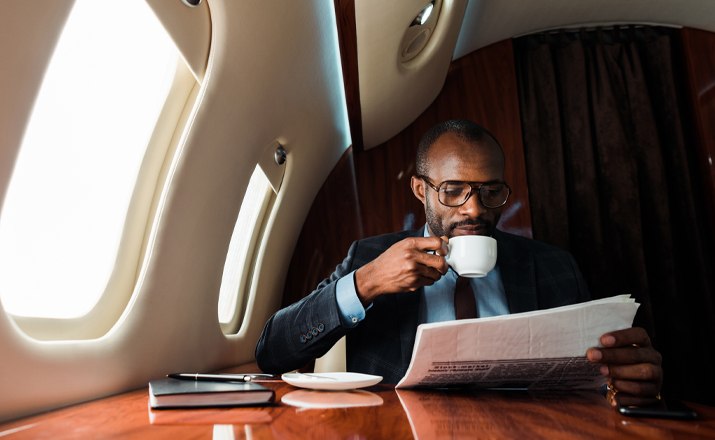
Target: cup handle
449,254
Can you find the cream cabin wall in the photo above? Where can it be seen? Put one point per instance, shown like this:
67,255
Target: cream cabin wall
273,72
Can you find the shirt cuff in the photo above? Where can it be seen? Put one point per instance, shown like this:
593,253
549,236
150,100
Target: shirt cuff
349,305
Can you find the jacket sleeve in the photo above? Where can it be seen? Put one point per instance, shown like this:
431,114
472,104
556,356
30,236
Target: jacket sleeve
305,330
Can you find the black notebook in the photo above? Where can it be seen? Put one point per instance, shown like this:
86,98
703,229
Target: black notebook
176,393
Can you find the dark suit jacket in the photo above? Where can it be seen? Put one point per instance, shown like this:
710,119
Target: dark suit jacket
535,276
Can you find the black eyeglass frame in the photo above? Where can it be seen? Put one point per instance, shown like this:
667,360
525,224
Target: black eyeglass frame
473,186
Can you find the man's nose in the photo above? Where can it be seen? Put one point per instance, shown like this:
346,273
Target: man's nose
472,207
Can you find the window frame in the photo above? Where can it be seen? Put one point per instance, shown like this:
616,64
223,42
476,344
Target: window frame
244,285
173,120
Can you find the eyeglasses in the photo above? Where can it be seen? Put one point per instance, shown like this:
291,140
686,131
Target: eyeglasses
455,193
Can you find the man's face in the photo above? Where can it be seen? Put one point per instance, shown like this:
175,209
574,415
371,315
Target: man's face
452,158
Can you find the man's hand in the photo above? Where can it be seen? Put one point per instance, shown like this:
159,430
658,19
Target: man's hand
630,362
404,267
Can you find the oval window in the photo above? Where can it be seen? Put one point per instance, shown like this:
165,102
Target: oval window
77,167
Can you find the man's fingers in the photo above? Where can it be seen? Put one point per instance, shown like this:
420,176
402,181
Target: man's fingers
444,246
636,388
637,372
428,251
629,361
630,336
433,262
416,274
624,355
425,244
430,273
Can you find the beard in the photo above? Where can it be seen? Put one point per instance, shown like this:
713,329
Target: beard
439,228
434,221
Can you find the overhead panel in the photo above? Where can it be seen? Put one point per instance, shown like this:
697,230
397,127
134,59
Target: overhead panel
403,58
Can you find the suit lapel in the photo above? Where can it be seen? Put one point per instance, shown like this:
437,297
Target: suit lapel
518,274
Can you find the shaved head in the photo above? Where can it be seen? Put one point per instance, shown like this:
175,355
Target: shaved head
471,133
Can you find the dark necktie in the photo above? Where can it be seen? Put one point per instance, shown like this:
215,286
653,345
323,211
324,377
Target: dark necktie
464,305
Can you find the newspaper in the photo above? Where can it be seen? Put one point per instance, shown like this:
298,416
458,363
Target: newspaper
544,349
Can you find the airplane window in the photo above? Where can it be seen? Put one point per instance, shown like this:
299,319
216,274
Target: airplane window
246,233
68,199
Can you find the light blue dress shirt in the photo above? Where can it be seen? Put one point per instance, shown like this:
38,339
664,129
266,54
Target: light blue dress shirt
437,300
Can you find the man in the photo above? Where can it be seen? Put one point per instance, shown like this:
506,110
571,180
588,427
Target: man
389,284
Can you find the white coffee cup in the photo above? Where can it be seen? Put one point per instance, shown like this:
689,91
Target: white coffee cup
472,256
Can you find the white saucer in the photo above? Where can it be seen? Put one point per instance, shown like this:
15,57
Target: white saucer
327,399
330,381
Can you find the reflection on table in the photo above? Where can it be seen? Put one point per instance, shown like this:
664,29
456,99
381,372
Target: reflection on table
312,399
457,414
461,414
375,412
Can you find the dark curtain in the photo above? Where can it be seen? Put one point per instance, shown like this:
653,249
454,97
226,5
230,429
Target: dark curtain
610,168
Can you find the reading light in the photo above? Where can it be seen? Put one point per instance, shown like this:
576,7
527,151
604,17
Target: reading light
423,16
191,3
419,31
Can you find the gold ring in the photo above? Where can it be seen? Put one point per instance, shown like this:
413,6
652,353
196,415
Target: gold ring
611,393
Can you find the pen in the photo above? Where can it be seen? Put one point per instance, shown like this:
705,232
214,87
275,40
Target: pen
218,377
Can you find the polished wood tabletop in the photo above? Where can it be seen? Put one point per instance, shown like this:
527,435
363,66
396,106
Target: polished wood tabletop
377,412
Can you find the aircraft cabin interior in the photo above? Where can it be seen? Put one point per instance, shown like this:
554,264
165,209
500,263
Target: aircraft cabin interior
174,172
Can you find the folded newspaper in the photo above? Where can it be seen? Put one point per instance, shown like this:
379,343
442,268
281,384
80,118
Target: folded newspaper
544,349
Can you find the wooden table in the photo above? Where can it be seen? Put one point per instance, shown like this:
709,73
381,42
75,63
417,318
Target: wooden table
387,414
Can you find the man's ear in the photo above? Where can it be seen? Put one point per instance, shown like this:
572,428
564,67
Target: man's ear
418,188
